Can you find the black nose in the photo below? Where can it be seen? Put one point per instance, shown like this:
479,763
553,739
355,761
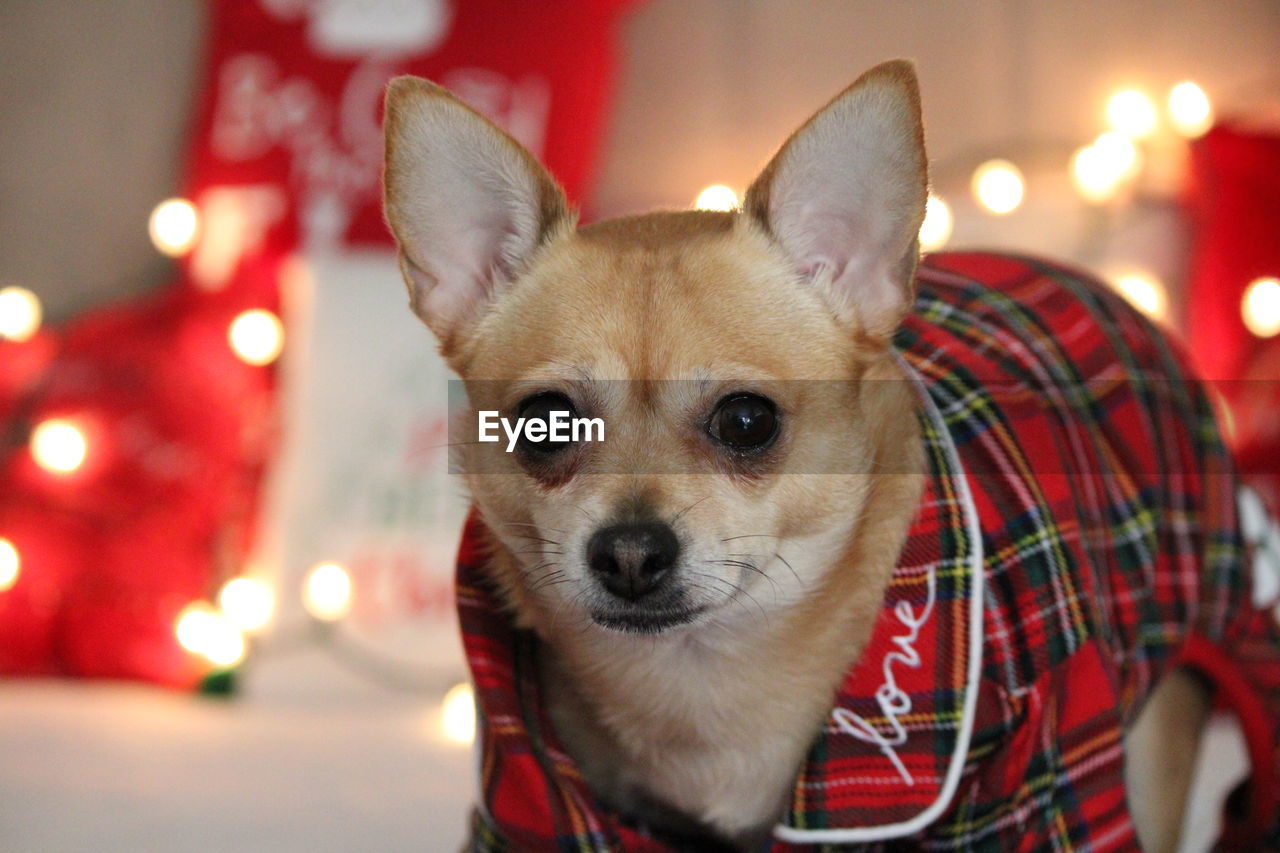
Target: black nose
632,558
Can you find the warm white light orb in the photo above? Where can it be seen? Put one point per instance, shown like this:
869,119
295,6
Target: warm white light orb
935,231
1092,179
1118,153
458,714
1097,170
174,226
248,603
59,446
1189,109
20,314
998,186
1261,307
256,336
717,197
10,564
1132,113
192,626
1145,292
226,645
326,593
203,631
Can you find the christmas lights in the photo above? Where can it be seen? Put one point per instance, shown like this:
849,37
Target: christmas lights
1144,291
1260,307
327,592
174,226
10,564
59,446
20,314
998,186
256,336
935,230
716,197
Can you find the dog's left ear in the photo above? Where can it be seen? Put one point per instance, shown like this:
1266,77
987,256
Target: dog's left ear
846,195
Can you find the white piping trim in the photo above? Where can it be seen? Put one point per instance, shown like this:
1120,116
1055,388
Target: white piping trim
952,780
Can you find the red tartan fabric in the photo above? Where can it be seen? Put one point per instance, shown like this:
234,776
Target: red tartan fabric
1078,537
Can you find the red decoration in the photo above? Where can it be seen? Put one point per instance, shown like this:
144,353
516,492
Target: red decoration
1235,216
52,546
286,157
289,131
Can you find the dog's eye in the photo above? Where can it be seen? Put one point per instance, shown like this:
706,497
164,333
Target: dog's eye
555,411
745,422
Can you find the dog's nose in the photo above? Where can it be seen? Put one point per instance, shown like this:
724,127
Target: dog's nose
632,558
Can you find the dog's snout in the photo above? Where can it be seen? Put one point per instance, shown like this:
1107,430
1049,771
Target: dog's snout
632,558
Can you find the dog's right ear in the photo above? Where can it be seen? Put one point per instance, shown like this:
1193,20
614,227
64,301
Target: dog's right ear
468,205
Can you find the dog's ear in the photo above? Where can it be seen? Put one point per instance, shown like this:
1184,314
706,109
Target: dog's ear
467,204
845,197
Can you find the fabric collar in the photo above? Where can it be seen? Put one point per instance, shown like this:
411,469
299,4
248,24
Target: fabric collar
886,763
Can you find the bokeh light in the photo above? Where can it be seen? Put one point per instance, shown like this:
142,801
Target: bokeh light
717,197
1260,307
174,226
20,314
1098,169
1190,111
1144,292
458,714
248,603
326,592
10,565
204,631
935,231
59,446
256,336
1132,113
998,186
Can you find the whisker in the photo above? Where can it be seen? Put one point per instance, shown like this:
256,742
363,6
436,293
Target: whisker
740,590
534,549
550,579
776,553
681,513
719,626
741,564
540,566
782,559
527,524
794,573
535,538
751,567
566,605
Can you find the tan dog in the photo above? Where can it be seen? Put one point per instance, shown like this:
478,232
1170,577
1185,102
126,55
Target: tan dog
677,571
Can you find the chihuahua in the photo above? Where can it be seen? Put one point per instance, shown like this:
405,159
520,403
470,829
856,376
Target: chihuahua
701,582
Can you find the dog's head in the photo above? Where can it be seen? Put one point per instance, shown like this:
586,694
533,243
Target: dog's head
735,359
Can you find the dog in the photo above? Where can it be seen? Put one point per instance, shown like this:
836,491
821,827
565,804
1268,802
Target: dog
873,550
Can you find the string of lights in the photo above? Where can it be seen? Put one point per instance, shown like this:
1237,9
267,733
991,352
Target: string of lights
238,623
1101,172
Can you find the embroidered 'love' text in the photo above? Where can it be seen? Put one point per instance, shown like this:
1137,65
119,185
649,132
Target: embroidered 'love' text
894,702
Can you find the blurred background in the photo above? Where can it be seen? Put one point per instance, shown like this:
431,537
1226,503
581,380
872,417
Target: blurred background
226,523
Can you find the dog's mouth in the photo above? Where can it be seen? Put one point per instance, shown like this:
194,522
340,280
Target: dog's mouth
640,620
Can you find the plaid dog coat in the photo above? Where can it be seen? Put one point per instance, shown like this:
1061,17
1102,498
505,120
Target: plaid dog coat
1079,536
